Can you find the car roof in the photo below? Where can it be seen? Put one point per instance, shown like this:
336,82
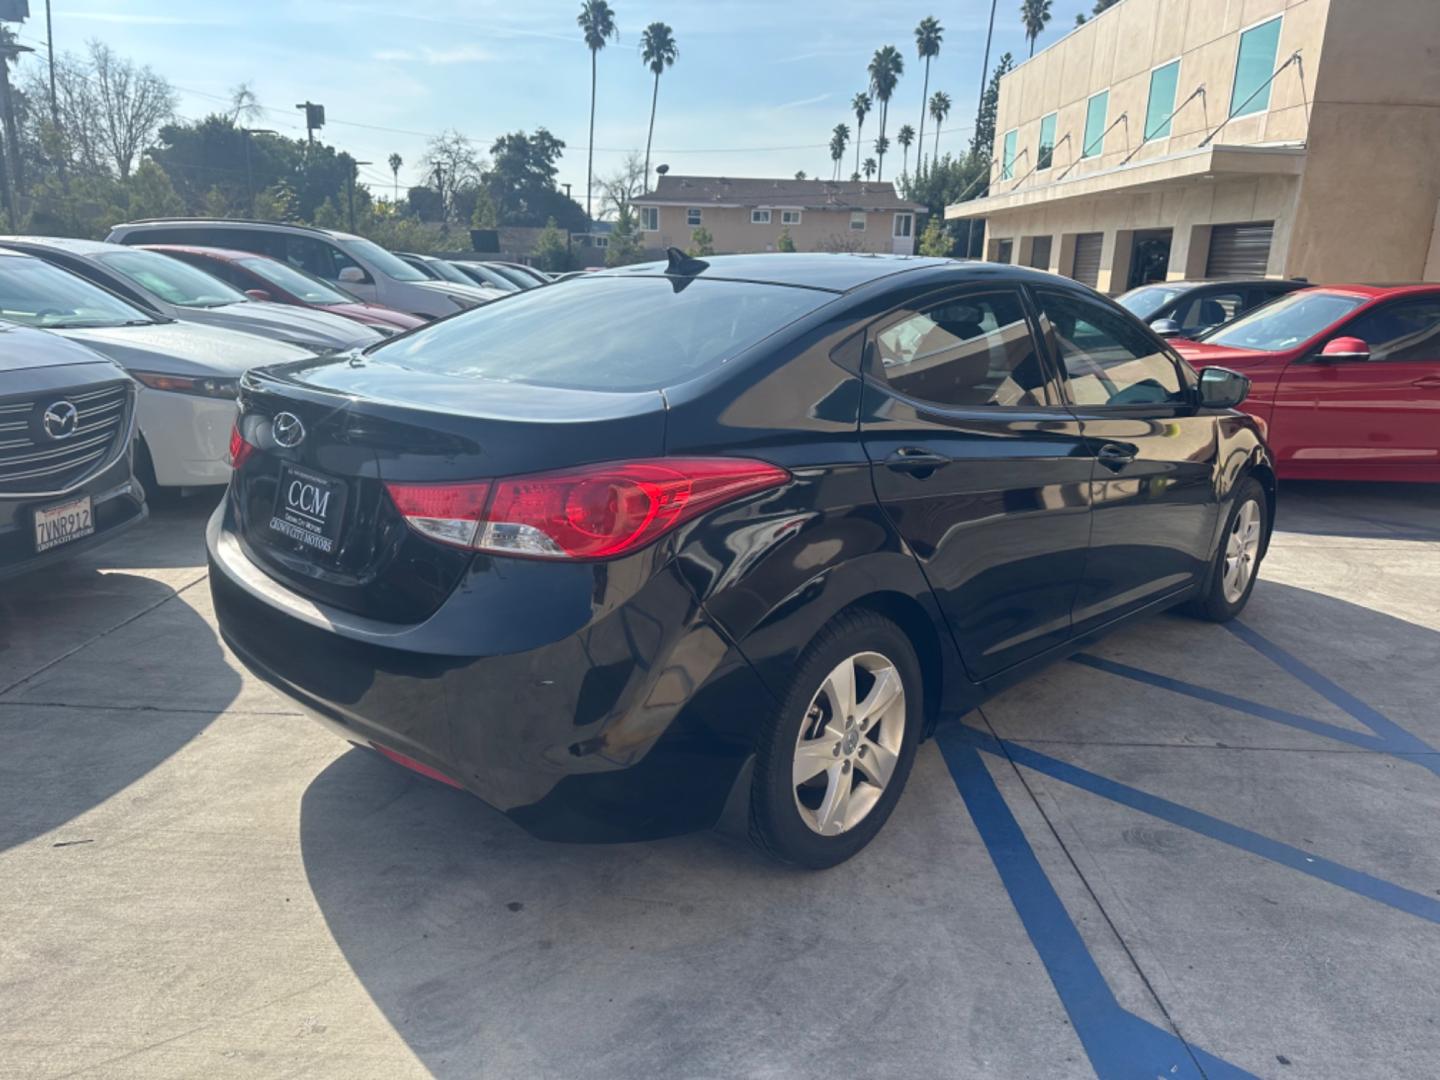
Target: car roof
838,272
225,254
1374,292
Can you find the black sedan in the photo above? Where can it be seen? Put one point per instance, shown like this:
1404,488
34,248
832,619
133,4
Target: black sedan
1191,308
67,426
611,555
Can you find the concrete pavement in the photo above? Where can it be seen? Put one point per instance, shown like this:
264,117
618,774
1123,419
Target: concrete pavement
1193,851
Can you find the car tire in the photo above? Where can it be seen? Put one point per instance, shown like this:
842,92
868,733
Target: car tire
155,495
1236,565
861,758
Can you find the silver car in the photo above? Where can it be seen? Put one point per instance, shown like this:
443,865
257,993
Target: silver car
172,289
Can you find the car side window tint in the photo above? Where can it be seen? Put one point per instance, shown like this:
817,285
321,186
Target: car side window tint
1108,358
1208,310
1405,330
319,257
970,350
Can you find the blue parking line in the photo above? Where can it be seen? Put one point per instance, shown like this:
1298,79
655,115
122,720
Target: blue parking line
1355,881
1119,1044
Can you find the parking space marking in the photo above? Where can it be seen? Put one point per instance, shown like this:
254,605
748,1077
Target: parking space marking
1117,1042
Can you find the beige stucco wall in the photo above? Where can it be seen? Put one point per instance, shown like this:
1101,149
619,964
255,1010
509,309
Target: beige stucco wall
733,231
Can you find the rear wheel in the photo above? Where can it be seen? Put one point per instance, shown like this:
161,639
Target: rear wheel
1237,562
835,756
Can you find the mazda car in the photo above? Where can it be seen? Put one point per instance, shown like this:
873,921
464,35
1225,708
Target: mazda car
67,417
722,533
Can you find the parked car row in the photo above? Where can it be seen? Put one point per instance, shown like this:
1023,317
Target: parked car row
174,325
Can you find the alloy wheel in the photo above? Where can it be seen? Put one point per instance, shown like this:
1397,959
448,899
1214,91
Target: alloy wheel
849,743
1242,551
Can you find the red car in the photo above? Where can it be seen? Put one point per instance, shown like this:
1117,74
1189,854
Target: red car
1346,376
263,278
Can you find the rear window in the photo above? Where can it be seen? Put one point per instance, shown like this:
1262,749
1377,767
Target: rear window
603,333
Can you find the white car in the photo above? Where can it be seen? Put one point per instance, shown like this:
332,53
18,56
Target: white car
361,267
189,374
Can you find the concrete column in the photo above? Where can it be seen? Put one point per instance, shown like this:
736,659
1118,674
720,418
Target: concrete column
1119,262
1197,254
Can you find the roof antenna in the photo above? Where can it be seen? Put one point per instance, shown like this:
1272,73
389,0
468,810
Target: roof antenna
682,264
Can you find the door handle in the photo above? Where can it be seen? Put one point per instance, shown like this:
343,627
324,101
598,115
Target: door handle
1427,382
1116,455
912,459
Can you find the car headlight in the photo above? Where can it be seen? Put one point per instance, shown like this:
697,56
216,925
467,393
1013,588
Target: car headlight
199,385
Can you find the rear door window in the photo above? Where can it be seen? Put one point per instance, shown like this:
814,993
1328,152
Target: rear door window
969,349
605,333
1108,358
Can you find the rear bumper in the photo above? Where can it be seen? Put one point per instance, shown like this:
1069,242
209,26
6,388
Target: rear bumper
634,726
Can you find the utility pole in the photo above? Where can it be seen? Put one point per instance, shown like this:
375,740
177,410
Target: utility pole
350,187
249,175
314,118
14,177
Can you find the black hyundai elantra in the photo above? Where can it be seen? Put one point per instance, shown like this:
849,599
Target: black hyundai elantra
695,534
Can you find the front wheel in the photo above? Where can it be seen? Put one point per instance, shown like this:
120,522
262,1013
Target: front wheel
835,756
1237,562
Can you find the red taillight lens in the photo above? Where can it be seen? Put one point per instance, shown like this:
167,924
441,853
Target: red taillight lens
597,512
239,448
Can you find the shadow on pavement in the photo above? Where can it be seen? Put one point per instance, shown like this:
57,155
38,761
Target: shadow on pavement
1384,511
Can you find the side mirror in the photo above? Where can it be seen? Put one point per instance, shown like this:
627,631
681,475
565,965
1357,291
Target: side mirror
258,294
353,275
1221,388
1166,328
1345,348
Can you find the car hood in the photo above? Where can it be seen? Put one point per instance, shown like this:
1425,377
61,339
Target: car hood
376,315
1201,355
473,292
317,330
184,348
24,348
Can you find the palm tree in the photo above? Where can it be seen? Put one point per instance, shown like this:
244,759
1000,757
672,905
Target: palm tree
659,51
597,21
860,103
395,162
1034,14
882,144
839,139
868,168
928,36
939,110
886,67
905,138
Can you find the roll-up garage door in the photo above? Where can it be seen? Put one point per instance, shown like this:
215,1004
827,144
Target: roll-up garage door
1239,251
1087,258
1040,253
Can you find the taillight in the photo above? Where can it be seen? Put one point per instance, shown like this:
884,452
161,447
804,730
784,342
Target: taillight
596,512
239,448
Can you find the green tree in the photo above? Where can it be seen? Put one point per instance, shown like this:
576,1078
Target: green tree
928,36
905,137
1101,5
935,240
395,161
868,168
149,193
785,242
597,22
552,251
659,51
701,243
521,182
982,143
948,181
626,246
1034,14
839,138
860,104
939,110
886,67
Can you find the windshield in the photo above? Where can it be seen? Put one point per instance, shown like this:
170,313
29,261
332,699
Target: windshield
37,294
448,272
297,283
392,266
521,279
1284,323
604,333
1146,300
171,280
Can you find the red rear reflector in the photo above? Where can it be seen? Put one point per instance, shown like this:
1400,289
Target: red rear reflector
596,512
415,766
239,448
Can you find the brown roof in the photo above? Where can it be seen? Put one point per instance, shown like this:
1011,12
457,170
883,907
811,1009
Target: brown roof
752,191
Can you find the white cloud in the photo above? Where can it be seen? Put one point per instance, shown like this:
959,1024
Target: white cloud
816,100
455,54
141,19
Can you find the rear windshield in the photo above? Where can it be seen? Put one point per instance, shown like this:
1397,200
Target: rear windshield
604,333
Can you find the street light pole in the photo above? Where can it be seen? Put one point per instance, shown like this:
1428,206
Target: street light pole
249,175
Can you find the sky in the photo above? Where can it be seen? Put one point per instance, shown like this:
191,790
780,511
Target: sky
757,88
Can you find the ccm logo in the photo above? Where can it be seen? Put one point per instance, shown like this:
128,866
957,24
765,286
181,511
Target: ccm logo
308,498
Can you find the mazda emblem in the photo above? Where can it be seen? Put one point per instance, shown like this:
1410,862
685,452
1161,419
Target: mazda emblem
60,420
288,429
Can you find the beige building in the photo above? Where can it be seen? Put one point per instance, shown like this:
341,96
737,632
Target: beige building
749,214
1174,139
